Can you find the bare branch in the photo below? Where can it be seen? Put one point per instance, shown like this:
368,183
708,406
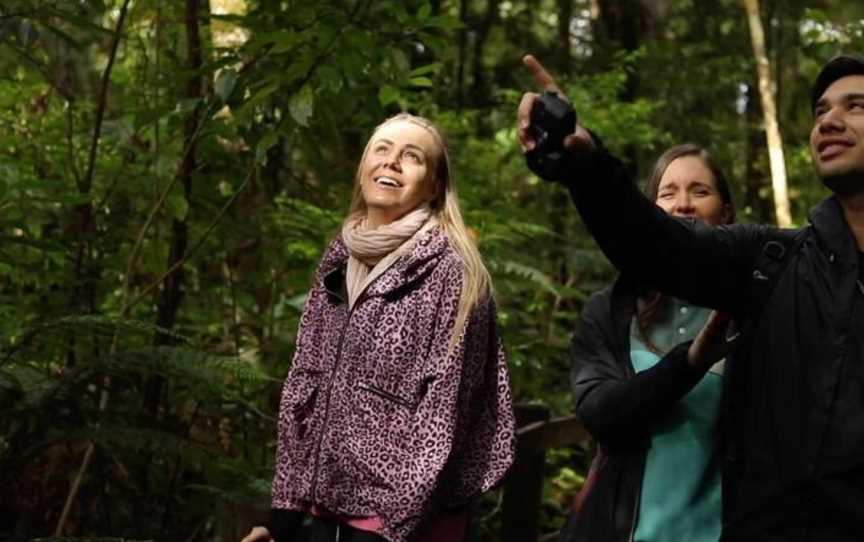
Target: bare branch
128,306
84,187
87,181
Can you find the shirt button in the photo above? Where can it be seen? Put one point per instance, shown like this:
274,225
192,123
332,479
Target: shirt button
683,310
681,330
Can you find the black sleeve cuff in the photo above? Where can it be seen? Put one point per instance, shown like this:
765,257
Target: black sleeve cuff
284,524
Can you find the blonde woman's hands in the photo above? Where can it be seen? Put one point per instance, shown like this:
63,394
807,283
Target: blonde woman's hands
579,141
712,343
258,534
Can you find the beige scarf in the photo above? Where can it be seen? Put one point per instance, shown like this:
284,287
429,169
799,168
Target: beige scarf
371,252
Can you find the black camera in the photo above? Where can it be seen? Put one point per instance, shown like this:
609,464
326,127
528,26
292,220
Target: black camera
552,119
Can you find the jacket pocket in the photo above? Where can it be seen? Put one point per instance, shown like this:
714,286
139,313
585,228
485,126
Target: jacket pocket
301,394
386,395
380,434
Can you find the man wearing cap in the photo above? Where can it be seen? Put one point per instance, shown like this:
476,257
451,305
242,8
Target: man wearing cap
794,403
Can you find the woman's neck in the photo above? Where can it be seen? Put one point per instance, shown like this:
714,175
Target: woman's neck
376,218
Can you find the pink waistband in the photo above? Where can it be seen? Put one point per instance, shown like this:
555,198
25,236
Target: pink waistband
447,527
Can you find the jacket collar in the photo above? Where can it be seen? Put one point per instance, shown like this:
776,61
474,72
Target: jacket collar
833,232
413,265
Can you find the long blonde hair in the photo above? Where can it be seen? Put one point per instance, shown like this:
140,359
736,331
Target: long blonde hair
476,283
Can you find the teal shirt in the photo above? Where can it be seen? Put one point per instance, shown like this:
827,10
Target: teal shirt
680,498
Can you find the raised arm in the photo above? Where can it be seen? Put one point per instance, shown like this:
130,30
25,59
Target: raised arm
709,266
617,405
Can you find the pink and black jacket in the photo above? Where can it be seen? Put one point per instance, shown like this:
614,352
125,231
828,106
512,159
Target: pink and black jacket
380,414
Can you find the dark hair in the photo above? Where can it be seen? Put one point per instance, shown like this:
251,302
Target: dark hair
652,301
838,67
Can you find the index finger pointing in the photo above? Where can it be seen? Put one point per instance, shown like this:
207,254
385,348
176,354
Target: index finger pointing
541,76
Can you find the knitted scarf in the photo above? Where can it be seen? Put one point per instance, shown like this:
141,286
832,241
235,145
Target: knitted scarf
373,251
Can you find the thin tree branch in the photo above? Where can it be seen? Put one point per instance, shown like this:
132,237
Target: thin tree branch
128,306
70,142
136,248
87,181
84,187
15,15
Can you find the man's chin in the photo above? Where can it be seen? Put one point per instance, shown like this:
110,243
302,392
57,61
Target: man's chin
844,183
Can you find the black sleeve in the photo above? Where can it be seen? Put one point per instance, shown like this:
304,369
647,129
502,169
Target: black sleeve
615,408
707,266
284,524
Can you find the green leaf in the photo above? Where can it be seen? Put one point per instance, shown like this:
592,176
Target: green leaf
257,99
225,83
285,40
300,105
177,206
268,140
331,78
388,94
401,60
424,82
435,67
444,22
186,105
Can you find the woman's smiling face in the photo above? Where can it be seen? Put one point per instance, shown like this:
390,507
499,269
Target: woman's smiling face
396,173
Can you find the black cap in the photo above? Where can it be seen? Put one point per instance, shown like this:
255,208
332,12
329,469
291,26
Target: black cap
838,67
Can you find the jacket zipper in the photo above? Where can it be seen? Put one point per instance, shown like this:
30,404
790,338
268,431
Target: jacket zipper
360,298
375,390
327,402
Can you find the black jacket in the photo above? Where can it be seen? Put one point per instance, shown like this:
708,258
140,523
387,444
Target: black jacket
794,401
617,406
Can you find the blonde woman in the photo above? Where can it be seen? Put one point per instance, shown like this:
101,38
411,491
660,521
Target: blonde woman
397,411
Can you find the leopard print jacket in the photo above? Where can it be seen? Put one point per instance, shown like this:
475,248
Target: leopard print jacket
380,414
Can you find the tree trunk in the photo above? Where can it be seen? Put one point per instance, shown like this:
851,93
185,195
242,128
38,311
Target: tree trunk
565,18
769,110
622,25
761,210
171,295
480,86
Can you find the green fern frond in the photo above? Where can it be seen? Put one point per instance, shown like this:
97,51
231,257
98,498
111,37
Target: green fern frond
525,272
109,325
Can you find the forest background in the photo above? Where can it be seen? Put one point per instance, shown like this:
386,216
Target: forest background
171,170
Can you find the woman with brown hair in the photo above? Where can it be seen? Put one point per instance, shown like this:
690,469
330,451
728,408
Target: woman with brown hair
648,395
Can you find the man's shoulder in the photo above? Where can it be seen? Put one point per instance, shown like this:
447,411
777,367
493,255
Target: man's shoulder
757,238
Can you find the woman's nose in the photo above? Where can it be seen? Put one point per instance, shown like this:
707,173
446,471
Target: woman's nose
392,161
683,205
